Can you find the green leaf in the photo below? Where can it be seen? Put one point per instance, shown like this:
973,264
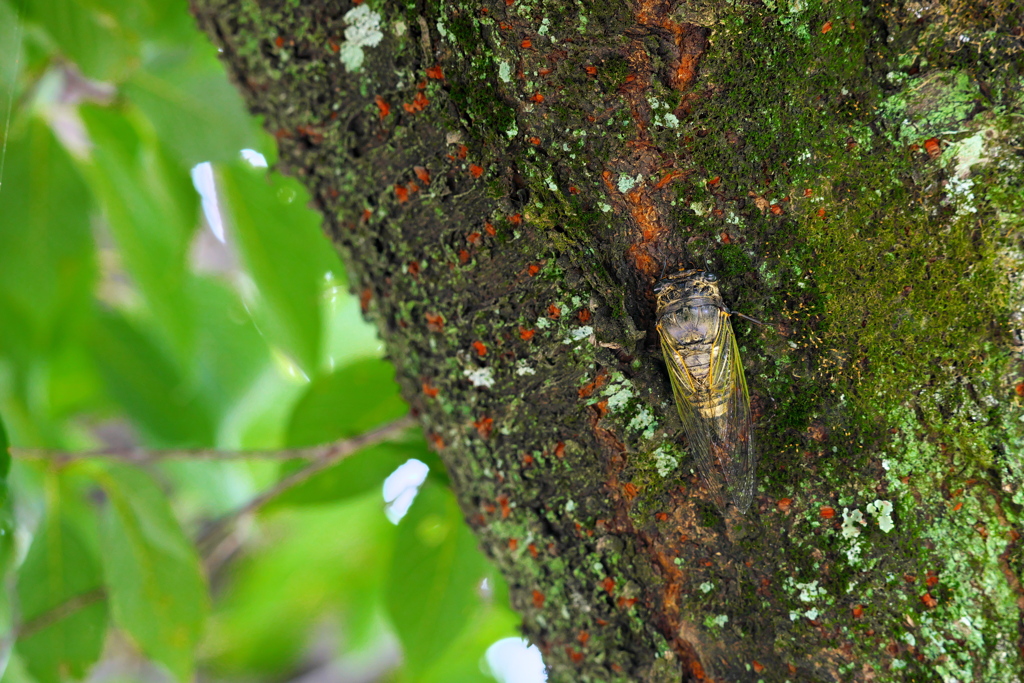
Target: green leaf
47,259
151,207
93,40
460,663
346,403
157,591
284,251
195,110
432,589
5,456
148,385
63,608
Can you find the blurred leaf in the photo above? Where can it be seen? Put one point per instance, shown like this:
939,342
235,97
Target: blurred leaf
63,609
460,663
5,456
152,210
90,38
284,251
11,56
147,385
310,566
432,589
195,110
47,266
346,403
157,591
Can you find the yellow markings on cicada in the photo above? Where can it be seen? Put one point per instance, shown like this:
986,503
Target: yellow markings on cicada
708,383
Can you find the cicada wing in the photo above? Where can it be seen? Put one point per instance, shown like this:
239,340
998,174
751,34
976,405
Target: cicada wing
734,430
699,430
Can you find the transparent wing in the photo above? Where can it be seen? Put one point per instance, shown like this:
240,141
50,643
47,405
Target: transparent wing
733,436
700,432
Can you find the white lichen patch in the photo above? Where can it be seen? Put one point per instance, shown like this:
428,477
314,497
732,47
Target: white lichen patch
523,368
882,511
578,333
665,461
716,621
505,72
618,392
363,31
706,587
850,521
644,421
627,183
480,377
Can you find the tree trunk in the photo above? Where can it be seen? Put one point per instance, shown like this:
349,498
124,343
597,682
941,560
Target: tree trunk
506,181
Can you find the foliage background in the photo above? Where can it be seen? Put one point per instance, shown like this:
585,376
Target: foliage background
125,321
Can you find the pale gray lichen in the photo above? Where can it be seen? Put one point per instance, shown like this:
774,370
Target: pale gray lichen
363,30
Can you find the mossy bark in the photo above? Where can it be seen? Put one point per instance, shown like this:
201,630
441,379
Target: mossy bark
506,181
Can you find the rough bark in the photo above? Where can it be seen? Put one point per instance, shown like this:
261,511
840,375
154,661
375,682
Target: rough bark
505,182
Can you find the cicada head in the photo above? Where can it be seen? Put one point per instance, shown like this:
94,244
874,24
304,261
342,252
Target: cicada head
689,286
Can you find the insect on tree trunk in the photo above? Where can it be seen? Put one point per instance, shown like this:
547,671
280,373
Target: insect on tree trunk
507,180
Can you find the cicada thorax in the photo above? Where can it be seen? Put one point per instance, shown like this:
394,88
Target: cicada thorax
708,383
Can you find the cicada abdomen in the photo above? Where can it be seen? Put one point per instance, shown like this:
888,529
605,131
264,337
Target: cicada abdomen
708,382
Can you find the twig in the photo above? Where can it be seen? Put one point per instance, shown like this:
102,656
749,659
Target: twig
329,456
137,455
58,612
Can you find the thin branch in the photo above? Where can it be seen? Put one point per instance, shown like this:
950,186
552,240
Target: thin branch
333,454
137,455
58,612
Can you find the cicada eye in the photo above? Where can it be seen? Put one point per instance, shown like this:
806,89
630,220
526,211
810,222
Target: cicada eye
710,277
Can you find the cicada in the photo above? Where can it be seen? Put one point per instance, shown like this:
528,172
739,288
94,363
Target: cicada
708,382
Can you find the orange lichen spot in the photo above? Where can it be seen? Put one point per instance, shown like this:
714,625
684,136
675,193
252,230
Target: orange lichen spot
714,181
956,508
506,509
608,584
560,449
583,637
532,269
932,579
364,299
537,97
669,177
504,26
474,238
626,603
534,140
808,192
435,323
413,187
784,504
413,267
584,315
527,459
858,611
909,578
480,348
401,193
931,145
367,214
429,390
602,408
776,209
489,229
617,668
483,427
279,41
513,543
526,334
422,173
435,72
573,189
475,170
463,256
661,516
554,312
282,133
509,3
929,601
463,151
591,70
826,27
418,104
437,441
533,550
757,666
725,238
821,213
826,512
629,490
575,655
334,46
527,43
515,219
538,597
1019,388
